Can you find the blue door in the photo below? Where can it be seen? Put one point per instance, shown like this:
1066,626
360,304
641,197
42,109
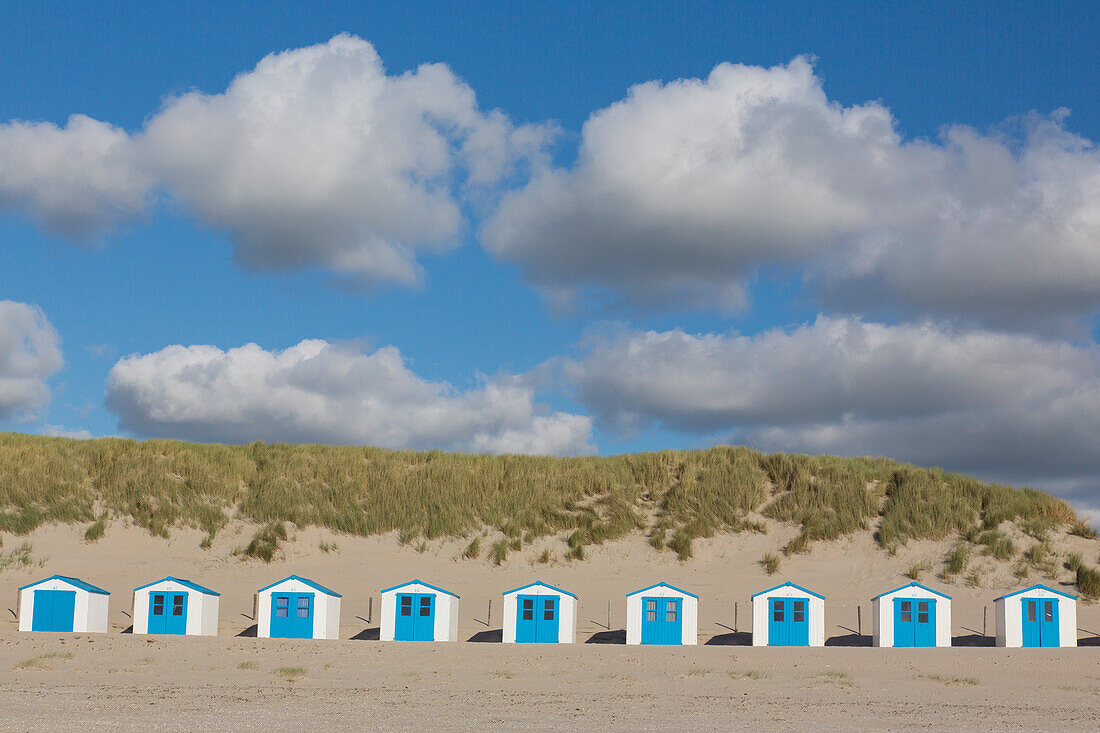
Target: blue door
914,622
1040,621
662,620
168,613
292,615
537,619
788,622
54,610
415,617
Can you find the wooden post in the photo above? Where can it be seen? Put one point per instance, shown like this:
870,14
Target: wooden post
609,614
489,614
984,610
735,617
370,609
859,620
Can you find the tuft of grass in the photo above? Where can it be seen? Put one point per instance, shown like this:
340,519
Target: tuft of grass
1088,581
545,557
1081,528
207,542
249,665
328,547
20,557
265,543
681,544
42,660
290,672
970,681
997,544
837,677
916,570
751,674
1074,561
1041,557
956,561
1021,571
96,529
770,563
473,549
498,553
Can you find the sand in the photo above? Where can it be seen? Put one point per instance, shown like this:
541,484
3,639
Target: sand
121,681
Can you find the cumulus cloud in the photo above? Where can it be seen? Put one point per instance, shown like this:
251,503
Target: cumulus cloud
316,158
30,353
321,392
60,431
74,180
682,190
1008,406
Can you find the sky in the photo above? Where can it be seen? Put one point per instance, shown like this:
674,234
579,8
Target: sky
559,228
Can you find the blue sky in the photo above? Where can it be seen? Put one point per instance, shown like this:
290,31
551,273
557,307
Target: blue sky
687,269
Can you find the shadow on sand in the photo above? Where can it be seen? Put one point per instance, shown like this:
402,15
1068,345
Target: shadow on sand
733,638
615,636
973,640
373,634
849,640
488,637
250,632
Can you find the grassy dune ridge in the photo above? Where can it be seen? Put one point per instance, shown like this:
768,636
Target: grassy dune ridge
672,496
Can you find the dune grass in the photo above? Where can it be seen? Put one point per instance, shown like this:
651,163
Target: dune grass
677,497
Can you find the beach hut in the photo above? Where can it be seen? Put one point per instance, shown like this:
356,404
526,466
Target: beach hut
61,603
662,614
297,608
1036,616
788,615
175,606
417,611
912,615
540,613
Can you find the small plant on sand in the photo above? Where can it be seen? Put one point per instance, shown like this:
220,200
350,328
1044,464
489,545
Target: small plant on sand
1021,571
20,557
1074,561
42,660
956,561
751,674
837,677
657,539
290,672
770,563
328,547
545,557
970,681
1088,581
681,544
997,544
1041,557
265,543
248,665
473,549
916,570
96,529
498,553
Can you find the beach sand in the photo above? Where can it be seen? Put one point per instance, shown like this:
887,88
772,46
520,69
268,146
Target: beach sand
122,681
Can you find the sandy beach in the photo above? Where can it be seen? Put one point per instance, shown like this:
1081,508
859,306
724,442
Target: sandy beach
122,681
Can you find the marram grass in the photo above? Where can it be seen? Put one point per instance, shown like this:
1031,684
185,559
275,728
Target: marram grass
674,496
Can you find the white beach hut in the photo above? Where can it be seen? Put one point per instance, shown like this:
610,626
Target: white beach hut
297,608
1036,616
662,614
61,603
788,615
538,612
417,611
912,615
175,606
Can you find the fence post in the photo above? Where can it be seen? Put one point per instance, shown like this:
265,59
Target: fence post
609,614
985,609
859,620
370,609
489,614
735,617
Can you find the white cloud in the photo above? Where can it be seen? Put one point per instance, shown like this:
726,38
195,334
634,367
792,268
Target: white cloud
321,392
682,190
73,180
1007,406
316,158
60,431
30,353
